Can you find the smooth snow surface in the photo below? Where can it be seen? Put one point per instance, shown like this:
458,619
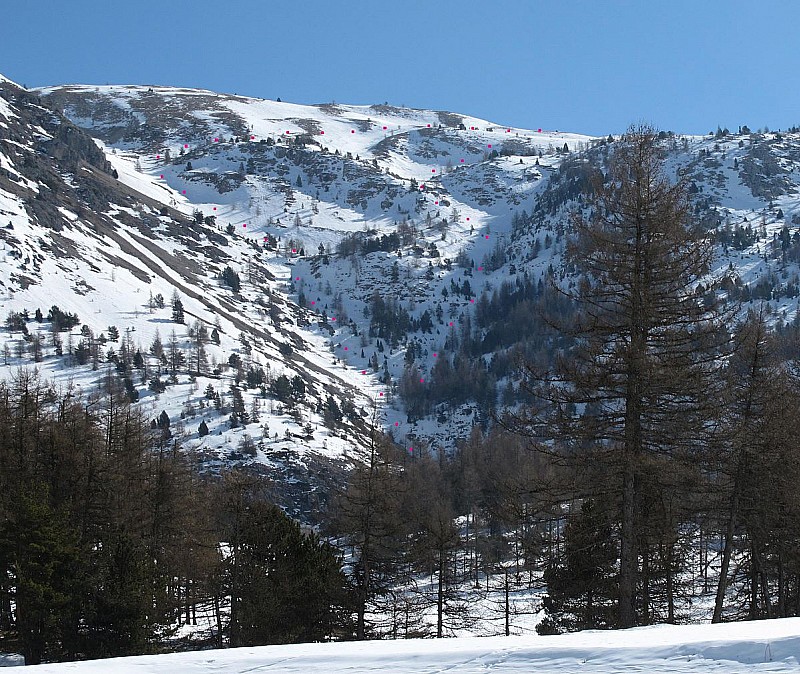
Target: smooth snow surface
765,646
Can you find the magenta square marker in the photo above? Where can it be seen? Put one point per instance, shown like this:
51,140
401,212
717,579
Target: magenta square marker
216,140
252,137
490,145
436,203
345,348
321,133
435,354
451,324
334,320
294,250
429,126
158,156
244,225
381,394
467,219
162,176
462,161
352,130
480,268
363,372
287,132
384,128
540,130
396,423
410,450
487,236
296,278
215,208
185,146
184,192
433,170
422,187
421,381
472,301
266,239
313,302
508,130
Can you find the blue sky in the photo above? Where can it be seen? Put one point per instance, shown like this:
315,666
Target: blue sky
589,66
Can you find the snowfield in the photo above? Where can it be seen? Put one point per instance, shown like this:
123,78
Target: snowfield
765,646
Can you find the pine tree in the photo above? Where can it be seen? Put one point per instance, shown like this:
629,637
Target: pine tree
285,586
177,308
581,587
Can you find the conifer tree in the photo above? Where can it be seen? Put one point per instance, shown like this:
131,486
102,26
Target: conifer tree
638,384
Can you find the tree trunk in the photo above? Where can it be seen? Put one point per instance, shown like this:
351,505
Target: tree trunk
440,596
508,607
722,585
628,563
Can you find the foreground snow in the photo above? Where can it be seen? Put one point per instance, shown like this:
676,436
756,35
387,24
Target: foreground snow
772,646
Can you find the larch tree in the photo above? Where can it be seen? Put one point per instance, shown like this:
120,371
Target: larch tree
629,401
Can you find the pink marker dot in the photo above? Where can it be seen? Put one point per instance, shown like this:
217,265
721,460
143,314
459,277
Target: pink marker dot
296,278
435,354
490,145
421,381
436,203
433,170
384,128
345,348
422,187
266,239
294,250
215,208
410,450
508,130
252,137
480,268
158,156
334,320
467,219
313,302
321,133
396,423
451,324
381,394
287,132
184,192
429,126
472,301
487,236
185,146
462,161
244,225
216,140
363,372
540,130
161,176
352,130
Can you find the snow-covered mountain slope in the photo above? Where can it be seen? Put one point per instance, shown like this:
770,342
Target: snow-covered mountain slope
324,178
763,646
405,232
113,253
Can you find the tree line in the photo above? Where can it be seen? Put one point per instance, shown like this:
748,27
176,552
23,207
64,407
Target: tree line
110,538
